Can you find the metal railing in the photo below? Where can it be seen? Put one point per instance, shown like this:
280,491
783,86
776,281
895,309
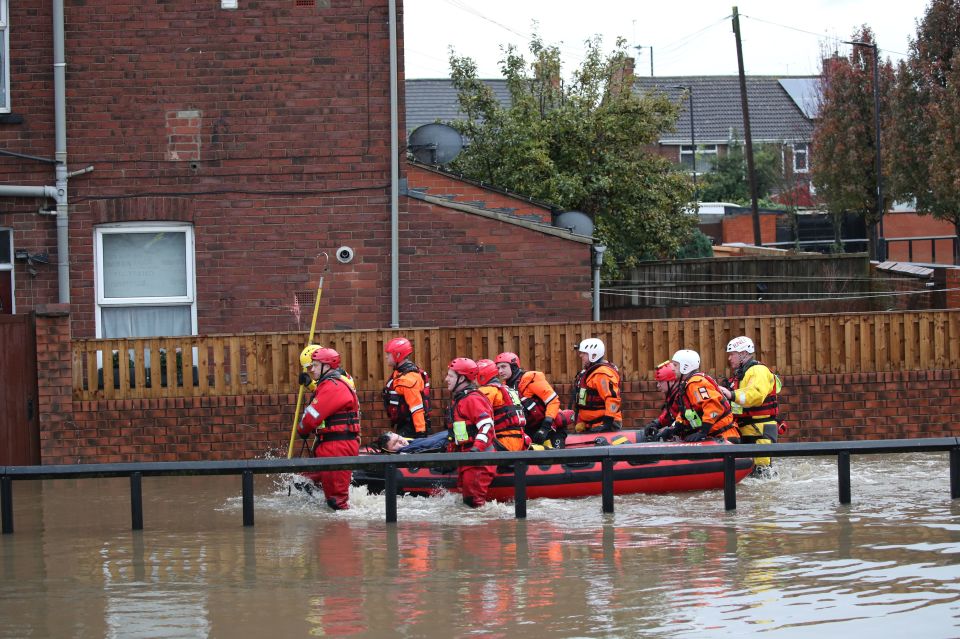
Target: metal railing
930,240
607,456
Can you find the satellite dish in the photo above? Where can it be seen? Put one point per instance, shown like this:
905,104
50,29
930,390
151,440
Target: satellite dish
575,221
435,143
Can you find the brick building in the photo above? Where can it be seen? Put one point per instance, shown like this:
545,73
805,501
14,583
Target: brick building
212,155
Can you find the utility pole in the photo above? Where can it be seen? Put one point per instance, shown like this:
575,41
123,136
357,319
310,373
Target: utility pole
748,139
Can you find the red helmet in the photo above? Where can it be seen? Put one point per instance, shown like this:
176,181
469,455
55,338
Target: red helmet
665,372
399,347
488,370
508,358
466,367
327,356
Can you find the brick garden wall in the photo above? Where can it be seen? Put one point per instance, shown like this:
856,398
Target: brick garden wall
816,408
834,407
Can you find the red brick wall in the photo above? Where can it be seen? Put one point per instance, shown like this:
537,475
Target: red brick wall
441,185
463,269
952,287
815,407
913,225
738,227
274,144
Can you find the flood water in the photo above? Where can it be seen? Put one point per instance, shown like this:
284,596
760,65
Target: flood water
789,562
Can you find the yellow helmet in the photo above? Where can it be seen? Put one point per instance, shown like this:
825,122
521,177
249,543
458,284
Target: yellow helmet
306,355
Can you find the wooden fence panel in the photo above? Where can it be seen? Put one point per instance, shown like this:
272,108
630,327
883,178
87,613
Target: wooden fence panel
269,363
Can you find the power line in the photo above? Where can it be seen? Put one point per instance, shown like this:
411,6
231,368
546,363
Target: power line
818,35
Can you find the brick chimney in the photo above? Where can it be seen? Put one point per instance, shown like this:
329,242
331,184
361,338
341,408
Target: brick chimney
622,78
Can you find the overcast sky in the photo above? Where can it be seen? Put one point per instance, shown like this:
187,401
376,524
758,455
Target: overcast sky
689,37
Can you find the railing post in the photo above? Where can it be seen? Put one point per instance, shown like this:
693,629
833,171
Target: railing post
955,473
248,498
910,251
390,492
6,504
520,490
729,482
606,475
136,500
843,475
933,251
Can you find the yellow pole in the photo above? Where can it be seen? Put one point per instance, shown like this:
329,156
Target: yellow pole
296,414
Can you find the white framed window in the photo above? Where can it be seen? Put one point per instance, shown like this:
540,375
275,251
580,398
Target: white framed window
706,156
801,157
145,280
4,59
6,272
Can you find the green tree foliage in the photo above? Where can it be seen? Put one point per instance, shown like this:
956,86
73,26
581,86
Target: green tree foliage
923,151
580,146
844,139
728,181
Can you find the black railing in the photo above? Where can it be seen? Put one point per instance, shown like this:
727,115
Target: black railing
931,239
606,455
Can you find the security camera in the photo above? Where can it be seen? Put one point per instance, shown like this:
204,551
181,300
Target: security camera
344,254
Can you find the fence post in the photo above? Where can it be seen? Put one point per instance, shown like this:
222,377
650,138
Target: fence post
606,476
520,490
247,498
136,500
6,504
843,475
955,473
729,482
390,492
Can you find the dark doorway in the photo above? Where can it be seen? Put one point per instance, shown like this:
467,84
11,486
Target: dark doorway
19,419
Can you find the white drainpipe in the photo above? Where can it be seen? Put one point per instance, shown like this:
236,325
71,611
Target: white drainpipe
57,193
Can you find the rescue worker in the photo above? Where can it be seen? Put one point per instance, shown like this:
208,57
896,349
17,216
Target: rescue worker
752,392
668,384
597,390
334,417
469,428
704,411
540,402
509,417
406,395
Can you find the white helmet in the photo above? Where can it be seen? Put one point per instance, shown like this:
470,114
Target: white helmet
593,347
687,361
740,344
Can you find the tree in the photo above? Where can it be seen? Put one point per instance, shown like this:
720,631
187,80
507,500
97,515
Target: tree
580,146
728,180
844,138
925,127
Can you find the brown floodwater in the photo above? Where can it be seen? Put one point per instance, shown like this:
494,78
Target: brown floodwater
789,562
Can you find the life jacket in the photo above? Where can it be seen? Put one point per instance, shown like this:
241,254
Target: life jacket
717,429
533,405
508,418
394,403
344,424
471,430
769,410
586,398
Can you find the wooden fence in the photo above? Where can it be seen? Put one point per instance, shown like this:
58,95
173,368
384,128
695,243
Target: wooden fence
267,363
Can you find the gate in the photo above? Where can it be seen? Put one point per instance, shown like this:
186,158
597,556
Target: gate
19,419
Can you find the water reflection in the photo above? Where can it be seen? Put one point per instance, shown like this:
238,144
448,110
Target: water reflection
790,561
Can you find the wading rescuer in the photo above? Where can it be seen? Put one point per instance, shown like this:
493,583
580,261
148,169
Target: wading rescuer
597,391
508,414
704,412
469,428
540,402
406,395
752,392
334,417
